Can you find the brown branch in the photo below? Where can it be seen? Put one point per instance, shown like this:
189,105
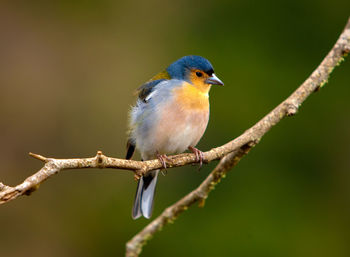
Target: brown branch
53,166
239,147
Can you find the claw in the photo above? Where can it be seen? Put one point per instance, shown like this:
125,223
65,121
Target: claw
199,155
163,159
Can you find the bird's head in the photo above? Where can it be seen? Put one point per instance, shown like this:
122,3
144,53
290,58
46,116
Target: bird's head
195,70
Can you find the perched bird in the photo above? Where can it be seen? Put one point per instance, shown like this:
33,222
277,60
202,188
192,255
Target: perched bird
170,116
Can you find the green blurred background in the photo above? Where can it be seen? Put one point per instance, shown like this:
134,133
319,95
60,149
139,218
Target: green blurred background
68,70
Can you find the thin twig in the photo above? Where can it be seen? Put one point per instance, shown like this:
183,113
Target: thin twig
39,157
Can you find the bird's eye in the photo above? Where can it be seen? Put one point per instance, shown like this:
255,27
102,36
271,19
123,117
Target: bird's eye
199,74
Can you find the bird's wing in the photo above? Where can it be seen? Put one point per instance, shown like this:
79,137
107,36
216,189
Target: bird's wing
160,81
146,89
130,148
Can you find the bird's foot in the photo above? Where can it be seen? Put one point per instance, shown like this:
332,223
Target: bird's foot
164,159
199,155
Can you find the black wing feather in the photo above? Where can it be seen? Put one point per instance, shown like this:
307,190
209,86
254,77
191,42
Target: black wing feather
147,88
130,149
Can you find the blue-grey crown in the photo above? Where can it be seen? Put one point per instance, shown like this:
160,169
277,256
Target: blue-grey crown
180,68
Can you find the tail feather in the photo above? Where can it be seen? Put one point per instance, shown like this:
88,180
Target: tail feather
136,210
143,203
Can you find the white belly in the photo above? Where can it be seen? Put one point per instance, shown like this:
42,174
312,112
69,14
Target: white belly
187,133
173,131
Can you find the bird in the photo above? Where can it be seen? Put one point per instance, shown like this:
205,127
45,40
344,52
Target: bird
170,116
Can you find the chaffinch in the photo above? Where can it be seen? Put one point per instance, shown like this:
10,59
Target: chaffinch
170,116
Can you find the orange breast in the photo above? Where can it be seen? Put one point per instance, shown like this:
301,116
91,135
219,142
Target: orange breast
191,98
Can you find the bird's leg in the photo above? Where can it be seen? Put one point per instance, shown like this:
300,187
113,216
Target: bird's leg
199,155
163,159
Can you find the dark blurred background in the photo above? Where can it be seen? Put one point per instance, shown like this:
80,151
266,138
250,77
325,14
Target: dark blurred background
68,70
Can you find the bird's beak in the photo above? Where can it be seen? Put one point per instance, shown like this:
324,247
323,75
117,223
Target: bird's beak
214,80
